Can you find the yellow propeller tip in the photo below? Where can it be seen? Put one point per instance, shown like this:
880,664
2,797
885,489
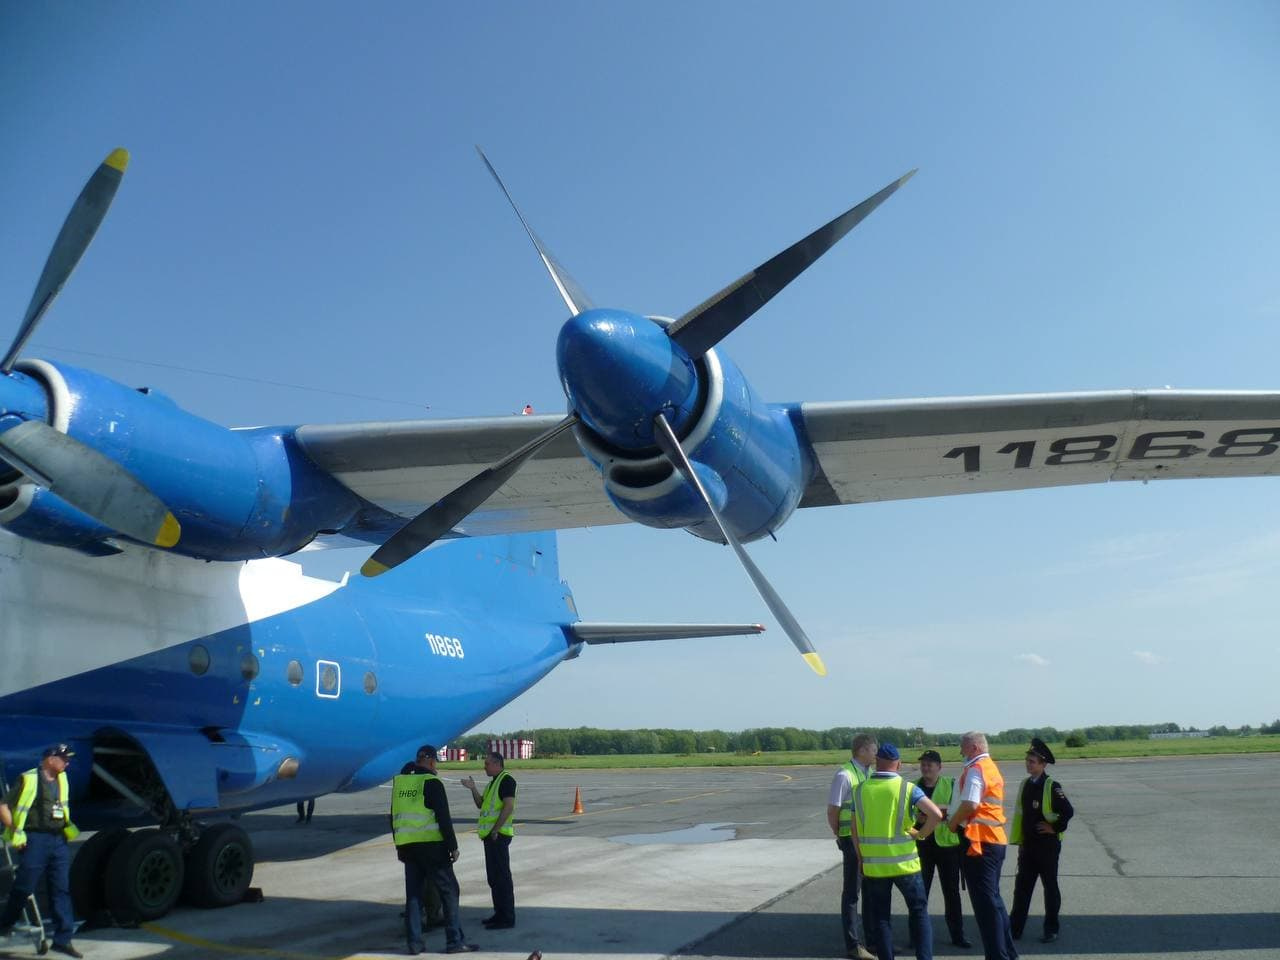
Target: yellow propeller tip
169,532
117,159
815,662
373,568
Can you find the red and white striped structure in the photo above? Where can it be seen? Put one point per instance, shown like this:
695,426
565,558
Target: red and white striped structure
453,753
512,749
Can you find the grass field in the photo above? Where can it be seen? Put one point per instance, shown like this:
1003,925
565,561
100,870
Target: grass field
1000,751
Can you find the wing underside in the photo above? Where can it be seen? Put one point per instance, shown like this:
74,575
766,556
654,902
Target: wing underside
861,451
897,450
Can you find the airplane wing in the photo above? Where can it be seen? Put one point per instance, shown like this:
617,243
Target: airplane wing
899,449
403,466
863,451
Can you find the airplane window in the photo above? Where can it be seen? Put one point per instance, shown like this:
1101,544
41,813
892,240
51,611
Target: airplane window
370,683
198,660
249,666
328,678
293,673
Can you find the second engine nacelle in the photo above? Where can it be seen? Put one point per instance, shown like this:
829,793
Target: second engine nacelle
745,452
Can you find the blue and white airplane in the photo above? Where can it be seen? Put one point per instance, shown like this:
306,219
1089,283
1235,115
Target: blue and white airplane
149,619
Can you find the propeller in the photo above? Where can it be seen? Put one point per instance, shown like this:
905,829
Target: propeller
695,333
450,510
90,481
80,475
670,446
718,316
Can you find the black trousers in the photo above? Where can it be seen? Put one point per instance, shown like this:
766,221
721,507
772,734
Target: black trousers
1037,859
947,862
497,868
850,922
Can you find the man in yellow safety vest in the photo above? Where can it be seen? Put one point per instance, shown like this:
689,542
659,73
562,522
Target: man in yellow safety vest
427,846
496,826
36,814
839,813
942,850
886,843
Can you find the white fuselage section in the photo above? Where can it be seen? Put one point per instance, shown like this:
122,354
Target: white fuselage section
63,613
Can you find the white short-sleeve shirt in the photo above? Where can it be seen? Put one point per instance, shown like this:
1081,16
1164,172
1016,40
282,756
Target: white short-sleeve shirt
974,783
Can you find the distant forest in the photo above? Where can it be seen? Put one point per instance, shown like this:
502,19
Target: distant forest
590,741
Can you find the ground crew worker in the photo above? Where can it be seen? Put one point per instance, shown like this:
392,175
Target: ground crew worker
886,844
496,826
1039,820
36,814
980,816
425,843
942,849
839,813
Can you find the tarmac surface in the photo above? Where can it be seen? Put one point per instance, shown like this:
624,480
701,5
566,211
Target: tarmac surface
1176,857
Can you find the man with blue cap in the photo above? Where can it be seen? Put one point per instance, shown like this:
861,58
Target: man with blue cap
886,844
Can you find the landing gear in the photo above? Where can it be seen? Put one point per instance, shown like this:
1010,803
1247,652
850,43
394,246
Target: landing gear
144,876
219,867
89,873
129,878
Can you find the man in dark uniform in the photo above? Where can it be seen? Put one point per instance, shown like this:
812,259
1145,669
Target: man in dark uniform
427,846
1039,820
496,827
942,849
432,911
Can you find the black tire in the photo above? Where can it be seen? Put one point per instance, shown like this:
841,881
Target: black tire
144,876
219,867
89,872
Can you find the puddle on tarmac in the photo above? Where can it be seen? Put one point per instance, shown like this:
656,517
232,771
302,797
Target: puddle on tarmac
698,833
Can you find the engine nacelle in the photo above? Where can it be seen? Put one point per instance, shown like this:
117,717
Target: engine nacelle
238,494
745,452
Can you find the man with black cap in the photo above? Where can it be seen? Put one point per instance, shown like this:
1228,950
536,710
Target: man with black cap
887,852
36,814
942,850
427,846
1039,820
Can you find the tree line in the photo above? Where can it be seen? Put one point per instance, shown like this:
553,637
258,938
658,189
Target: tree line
593,741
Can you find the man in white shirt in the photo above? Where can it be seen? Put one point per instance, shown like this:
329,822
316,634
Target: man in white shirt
839,816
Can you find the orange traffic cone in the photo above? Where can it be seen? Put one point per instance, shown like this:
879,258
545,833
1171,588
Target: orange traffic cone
577,800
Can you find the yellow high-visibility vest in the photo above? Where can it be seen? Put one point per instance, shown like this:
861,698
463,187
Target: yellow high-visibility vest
491,807
883,808
1046,807
943,790
412,821
16,835
856,776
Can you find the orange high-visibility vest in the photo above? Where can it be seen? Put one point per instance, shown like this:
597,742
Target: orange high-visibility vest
987,823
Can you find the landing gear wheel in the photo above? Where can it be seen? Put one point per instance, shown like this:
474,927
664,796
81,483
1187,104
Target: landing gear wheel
219,867
89,872
144,876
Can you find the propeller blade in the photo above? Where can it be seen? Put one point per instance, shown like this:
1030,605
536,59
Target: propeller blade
90,481
714,319
454,507
572,294
72,241
670,445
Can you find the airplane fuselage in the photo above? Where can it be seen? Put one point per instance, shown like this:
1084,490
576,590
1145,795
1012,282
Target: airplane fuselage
250,684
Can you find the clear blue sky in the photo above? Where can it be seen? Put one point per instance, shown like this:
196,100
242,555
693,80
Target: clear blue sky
1096,208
